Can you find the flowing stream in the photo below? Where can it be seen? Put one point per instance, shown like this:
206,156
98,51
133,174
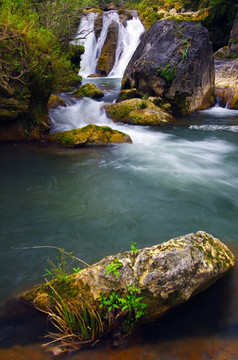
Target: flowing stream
171,181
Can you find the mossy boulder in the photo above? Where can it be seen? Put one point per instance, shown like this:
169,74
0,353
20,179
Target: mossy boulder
88,90
165,275
90,135
138,112
127,94
55,101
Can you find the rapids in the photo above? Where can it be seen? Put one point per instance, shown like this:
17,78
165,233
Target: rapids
171,181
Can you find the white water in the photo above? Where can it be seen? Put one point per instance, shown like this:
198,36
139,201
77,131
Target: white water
86,37
128,40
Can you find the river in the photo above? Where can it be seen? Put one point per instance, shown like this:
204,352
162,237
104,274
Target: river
170,181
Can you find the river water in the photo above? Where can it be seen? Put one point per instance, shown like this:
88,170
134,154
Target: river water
171,181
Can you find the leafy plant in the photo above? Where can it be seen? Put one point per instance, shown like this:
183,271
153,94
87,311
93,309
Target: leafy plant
133,247
112,268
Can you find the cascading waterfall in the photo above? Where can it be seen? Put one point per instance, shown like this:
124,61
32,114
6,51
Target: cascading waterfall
127,42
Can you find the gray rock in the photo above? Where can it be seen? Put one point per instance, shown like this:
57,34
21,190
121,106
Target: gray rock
166,274
174,60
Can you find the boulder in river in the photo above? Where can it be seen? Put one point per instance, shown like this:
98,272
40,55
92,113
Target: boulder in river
90,135
156,278
174,61
138,112
88,90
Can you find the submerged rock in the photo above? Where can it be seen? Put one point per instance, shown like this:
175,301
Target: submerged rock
174,61
88,90
165,275
138,112
90,135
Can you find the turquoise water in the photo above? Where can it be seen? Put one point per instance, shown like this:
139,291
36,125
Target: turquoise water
94,202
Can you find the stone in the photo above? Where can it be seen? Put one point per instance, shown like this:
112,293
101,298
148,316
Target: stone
174,61
88,90
127,94
108,53
138,112
233,42
55,101
90,135
234,101
165,275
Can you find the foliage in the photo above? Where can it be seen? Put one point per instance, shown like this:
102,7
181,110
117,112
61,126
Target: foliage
77,322
167,72
129,305
112,268
133,247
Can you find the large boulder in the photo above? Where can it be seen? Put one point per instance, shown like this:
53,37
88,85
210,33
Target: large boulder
138,112
164,275
174,61
90,135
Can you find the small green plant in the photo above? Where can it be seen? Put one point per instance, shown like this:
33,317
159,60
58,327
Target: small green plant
167,72
58,270
112,268
133,247
129,304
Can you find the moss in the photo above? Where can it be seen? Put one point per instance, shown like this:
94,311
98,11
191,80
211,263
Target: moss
137,111
88,90
90,135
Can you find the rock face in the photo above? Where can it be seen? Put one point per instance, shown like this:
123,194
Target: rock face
227,82
90,135
138,112
166,274
174,61
233,42
88,90
108,54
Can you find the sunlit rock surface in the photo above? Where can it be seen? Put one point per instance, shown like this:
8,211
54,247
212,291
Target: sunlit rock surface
90,135
88,90
138,112
166,274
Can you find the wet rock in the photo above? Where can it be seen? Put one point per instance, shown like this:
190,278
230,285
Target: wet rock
55,101
127,94
138,112
108,53
88,90
226,82
166,275
90,135
174,61
233,42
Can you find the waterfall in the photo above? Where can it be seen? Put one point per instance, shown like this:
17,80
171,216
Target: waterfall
86,37
127,42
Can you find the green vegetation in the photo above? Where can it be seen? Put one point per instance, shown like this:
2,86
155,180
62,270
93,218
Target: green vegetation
77,322
133,247
112,268
167,72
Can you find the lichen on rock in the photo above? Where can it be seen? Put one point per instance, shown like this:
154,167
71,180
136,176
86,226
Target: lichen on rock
138,112
90,135
88,90
166,274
